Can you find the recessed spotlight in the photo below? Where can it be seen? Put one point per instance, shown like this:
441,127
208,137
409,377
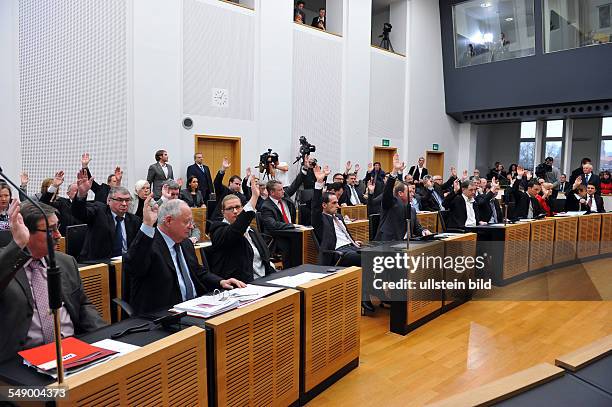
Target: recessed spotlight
487,4
509,19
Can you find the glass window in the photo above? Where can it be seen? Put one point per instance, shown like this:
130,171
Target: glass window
528,130
605,158
576,23
527,154
554,149
554,129
606,126
493,30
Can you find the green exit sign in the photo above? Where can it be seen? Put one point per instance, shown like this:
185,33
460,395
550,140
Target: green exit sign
436,147
385,142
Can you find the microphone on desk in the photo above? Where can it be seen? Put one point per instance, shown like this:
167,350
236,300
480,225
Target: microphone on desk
54,282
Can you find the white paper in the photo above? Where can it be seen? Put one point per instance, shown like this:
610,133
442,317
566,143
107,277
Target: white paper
121,348
570,213
252,292
298,279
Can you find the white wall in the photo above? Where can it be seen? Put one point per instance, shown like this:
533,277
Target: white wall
586,141
398,13
378,21
497,142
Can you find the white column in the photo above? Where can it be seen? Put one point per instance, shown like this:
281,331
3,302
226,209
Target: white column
467,148
568,139
356,82
398,16
275,88
334,16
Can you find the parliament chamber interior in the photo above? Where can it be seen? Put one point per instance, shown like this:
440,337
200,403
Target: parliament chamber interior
306,203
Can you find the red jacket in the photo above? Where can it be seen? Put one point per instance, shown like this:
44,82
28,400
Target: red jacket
606,189
544,204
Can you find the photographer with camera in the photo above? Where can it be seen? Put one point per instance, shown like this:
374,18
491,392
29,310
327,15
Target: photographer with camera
549,174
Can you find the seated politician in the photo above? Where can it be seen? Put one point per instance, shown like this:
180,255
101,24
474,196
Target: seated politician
237,250
110,227
488,206
527,205
396,209
161,264
462,208
25,321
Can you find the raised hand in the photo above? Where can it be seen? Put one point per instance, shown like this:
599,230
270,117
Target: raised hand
357,168
21,234
83,183
456,186
577,182
150,211
25,178
397,165
371,186
319,174
118,174
370,167
528,175
180,182
248,172
85,159
464,176
326,170
348,166
225,164
165,192
519,171
58,179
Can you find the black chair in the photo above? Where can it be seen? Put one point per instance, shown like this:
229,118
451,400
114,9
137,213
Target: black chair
339,255
274,256
373,225
126,308
5,237
75,238
205,253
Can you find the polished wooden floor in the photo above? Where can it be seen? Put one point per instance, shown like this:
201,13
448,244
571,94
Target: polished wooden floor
474,344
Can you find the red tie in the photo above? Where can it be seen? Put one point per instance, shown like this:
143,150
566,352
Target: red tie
285,218
590,203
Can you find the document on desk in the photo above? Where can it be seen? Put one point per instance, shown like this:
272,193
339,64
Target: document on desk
298,279
252,292
207,306
569,214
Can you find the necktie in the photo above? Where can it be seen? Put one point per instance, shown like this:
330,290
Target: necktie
590,202
184,273
587,178
202,168
435,194
494,216
344,231
530,210
354,196
285,218
118,242
41,299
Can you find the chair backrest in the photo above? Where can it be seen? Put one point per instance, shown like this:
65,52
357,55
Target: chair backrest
205,253
75,238
5,237
259,222
373,225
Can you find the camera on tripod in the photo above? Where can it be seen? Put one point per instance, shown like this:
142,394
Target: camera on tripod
305,149
266,159
386,42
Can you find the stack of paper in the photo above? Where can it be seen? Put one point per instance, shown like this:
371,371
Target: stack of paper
570,213
208,305
298,279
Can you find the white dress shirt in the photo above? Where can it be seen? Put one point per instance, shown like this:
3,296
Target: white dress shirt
469,209
164,169
278,204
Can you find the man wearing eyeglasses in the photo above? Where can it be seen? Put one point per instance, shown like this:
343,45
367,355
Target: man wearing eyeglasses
111,228
237,250
161,263
25,320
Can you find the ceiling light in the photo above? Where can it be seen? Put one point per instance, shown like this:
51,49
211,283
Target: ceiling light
487,4
509,19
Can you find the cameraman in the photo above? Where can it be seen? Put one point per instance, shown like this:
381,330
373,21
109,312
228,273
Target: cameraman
550,174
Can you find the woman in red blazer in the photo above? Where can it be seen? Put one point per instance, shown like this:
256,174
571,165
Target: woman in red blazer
606,183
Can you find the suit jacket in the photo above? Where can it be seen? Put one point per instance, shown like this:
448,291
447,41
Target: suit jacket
196,202
152,276
272,217
16,299
394,214
599,201
428,202
346,196
565,187
593,180
416,174
324,229
484,207
156,178
315,22
101,228
232,254
572,203
64,208
522,200
205,184
221,191
457,216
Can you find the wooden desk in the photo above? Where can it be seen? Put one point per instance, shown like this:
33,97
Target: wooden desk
199,218
566,232
458,246
254,352
359,212
197,248
96,287
506,248
589,228
169,372
605,245
541,244
429,220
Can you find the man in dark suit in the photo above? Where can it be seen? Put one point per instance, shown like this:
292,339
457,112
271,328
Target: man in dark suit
202,173
278,213
594,202
564,186
589,178
418,171
396,209
63,205
237,250
575,200
111,228
461,205
24,298
101,190
161,264
159,172
527,205
580,170
353,194
233,187
431,195
319,21
488,206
